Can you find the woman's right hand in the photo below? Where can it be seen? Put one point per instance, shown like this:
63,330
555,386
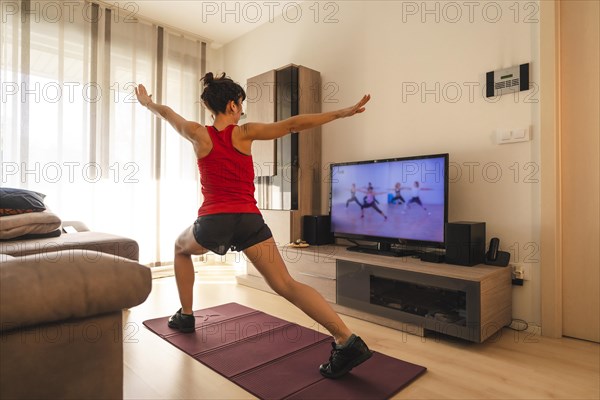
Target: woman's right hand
142,95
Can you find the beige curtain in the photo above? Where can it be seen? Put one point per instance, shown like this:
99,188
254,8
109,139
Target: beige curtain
71,127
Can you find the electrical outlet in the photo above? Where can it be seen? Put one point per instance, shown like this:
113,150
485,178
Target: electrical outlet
517,274
518,271
523,270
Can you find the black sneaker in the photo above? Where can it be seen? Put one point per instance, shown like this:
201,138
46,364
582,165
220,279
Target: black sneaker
344,358
182,322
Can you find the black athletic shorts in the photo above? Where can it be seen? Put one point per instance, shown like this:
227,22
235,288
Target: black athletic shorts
221,232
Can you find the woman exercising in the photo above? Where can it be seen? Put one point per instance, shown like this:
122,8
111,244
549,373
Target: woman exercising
353,196
415,196
229,217
398,194
370,201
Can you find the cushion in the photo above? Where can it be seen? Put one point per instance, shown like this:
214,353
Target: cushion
31,236
68,284
12,226
19,201
93,242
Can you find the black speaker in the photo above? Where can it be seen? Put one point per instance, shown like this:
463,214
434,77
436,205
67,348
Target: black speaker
465,243
316,229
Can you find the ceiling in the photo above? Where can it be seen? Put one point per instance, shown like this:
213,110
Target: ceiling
217,22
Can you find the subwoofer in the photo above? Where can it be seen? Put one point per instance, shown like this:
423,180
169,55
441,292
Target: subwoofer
316,229
465,243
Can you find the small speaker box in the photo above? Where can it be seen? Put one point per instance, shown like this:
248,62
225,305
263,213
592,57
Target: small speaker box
316,229
465,243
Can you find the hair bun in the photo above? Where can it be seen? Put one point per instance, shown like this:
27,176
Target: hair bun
208,78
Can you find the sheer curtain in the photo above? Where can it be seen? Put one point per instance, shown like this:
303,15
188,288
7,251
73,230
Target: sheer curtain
71,127
45,106
179,184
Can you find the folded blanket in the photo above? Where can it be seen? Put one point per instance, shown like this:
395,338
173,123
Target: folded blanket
12,226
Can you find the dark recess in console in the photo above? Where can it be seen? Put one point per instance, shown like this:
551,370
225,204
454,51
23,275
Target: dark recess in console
426,301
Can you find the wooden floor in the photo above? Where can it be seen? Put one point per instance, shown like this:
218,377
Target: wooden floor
510,366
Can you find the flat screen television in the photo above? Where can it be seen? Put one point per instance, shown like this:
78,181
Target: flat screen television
401,201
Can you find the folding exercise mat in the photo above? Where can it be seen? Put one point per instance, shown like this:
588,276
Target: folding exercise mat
276,359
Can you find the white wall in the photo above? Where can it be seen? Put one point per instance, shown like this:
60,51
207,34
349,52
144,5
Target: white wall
392,48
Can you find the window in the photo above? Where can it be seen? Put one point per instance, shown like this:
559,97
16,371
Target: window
72,128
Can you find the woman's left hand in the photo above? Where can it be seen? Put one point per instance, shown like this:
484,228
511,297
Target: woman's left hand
356,109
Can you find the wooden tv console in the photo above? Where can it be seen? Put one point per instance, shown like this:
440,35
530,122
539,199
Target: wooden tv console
404,293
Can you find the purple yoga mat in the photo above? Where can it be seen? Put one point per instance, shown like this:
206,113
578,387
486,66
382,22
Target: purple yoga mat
276,359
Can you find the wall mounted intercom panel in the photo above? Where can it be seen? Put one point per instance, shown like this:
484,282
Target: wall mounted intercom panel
507,80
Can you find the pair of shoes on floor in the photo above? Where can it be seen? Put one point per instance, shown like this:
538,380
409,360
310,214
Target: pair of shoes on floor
182,322
345,357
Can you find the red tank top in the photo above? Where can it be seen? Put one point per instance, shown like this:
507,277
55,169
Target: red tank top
227,177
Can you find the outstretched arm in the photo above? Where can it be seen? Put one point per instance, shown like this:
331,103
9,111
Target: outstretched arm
262,131
185,128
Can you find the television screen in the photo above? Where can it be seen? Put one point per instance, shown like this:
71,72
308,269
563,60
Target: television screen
399,200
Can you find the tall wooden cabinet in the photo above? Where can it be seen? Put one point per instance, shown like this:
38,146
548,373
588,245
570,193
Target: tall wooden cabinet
288,169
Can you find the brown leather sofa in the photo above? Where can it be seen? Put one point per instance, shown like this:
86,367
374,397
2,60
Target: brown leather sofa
61,302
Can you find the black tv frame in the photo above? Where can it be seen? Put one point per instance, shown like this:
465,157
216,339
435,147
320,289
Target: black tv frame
396,247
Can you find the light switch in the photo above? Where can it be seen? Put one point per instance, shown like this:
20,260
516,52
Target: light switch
519,134
503,136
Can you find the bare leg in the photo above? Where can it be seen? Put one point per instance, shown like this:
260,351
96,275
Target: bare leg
267,260
185,247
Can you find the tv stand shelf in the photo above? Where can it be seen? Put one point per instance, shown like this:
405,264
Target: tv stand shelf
376,251
405,293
